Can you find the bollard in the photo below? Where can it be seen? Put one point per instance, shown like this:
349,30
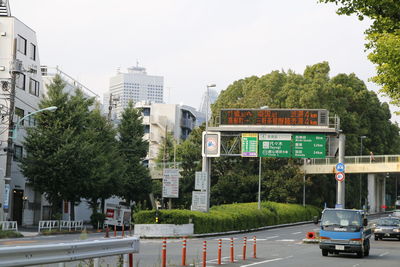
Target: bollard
204,253
164,253
107,232
115,230
254,247
123,230
232,251
244,247
130,260
184,251
219,251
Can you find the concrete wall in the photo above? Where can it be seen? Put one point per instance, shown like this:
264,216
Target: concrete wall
163,230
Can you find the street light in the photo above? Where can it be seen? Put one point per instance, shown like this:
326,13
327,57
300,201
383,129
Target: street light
15,132
205,158
361,149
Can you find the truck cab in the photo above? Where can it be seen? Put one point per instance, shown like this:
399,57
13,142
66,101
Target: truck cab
344,231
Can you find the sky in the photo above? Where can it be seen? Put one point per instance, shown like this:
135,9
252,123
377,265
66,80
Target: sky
193,43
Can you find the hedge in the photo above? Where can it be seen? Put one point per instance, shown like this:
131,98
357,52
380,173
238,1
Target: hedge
231,217
9,234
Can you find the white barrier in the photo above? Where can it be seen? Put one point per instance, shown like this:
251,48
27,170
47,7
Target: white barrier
48,225
66,252
59,225
75,225
9,225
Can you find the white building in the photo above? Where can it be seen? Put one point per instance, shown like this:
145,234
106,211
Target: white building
161,118
19,57
135,85
71,84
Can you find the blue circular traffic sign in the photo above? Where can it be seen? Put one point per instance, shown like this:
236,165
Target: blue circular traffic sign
340,167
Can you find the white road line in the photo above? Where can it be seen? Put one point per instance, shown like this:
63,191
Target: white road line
355,265
383,254
296,233
286,240
270,237
277,259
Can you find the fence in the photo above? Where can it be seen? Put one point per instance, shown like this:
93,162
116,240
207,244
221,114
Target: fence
59,225
66,252
9,225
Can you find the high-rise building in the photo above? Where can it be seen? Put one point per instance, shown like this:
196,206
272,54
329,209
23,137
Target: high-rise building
135,85
20,91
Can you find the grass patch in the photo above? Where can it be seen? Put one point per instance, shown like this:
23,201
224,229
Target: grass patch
10,234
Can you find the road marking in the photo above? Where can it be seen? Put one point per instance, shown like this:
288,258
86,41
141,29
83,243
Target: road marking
355,265
296,233
277,259
383,254
286,240
270,237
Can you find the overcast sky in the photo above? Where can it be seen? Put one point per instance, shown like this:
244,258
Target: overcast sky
193,43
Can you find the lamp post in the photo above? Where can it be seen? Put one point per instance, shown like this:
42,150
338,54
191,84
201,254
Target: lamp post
205,167
15,132
7,178
361,149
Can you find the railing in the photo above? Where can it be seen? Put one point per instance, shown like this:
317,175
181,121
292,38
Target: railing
59,225
8,225
66,252
356,160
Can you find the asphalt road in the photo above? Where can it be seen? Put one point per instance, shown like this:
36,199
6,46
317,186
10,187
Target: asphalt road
275,247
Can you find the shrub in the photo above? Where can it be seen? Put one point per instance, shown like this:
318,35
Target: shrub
230,217
97,220
9,234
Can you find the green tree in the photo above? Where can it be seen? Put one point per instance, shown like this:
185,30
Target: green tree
383,39
166,150
105,165
136,181
345,95
56,162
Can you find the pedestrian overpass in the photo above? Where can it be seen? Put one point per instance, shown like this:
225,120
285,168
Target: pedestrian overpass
360,164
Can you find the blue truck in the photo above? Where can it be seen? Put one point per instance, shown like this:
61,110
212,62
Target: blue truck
344,231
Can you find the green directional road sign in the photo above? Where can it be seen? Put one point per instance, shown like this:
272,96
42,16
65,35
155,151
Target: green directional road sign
275,145
249,144
309,146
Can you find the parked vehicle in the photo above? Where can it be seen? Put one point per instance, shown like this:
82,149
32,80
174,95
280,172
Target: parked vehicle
118,215
344,230
387,227
396,213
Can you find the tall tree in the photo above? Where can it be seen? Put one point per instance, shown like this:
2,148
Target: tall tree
55,162
383,39
104,162
137,182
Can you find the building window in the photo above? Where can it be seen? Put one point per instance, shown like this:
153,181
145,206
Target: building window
21,44
33,52
34,87
31,120
146,111
17,153
20,81
147,129
19,114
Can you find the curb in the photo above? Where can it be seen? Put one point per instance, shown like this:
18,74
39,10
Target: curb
253,229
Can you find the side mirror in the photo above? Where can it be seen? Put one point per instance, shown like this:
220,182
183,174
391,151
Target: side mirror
315,220
365,221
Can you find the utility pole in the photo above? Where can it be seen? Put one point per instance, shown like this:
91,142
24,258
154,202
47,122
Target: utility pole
340,197
11,109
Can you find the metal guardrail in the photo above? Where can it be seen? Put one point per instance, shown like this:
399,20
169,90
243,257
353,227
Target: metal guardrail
66,252
59,225
9,225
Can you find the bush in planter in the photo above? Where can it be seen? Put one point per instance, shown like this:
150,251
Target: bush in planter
230,217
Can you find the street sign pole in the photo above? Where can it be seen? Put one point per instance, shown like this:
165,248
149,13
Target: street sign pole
340,197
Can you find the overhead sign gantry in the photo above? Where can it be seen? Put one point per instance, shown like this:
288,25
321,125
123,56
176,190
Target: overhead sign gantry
290,133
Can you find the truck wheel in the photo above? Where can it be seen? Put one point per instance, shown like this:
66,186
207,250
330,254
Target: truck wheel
366,248
324,252
360,254
376,237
